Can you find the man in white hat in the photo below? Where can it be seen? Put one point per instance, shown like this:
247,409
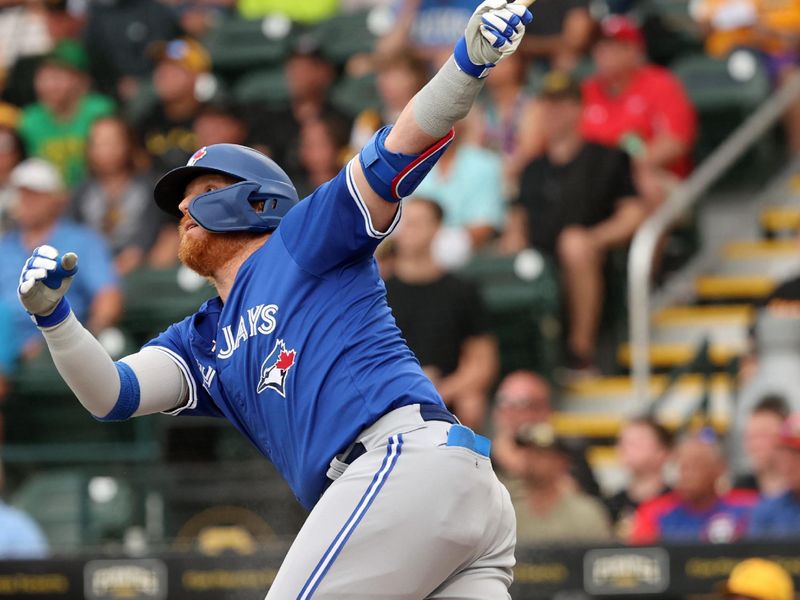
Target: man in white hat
37,213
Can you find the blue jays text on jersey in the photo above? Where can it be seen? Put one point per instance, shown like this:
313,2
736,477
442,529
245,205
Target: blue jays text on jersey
305,353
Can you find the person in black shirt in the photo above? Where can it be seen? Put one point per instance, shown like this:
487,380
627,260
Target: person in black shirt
644,448
576,202
560,34
309,76
166,130
441,316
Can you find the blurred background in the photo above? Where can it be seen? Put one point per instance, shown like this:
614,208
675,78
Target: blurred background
602,275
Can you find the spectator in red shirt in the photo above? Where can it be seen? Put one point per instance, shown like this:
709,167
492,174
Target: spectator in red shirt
695,511
639,107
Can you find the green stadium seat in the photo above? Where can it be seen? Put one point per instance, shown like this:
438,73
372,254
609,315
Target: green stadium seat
344,36
263,86
353,95
237,45
524,312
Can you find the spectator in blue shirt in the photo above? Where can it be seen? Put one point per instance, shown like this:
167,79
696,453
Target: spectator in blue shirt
20,536
779,516
41,200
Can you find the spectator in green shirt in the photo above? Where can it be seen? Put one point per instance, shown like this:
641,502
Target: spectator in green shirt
57,126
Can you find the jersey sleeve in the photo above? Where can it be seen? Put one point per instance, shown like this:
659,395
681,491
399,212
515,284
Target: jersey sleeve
332,227
174,342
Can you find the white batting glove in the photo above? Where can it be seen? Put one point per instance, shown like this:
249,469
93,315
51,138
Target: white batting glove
44,281
494,31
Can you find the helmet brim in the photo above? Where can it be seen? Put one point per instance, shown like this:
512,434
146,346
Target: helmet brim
170,190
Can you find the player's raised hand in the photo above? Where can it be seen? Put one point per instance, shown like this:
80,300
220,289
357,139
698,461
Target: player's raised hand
494,31
44,281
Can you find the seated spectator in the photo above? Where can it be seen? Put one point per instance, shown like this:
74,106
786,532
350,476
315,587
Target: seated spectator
559,35
576,202
695,511
441,317
399,77
644,449
639,107
166,129
95,296
467,183
761,441
525,398
57,126
7,355
758,579
779,516
323,152
12,152
116,201
118,35
20,536
505,117
549,512
221,121
309,76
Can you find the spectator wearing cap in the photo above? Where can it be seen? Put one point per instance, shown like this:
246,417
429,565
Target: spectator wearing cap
758,579
56,127
309,76
442,317
576,203
695,511
640,107
116,201
166,129
779,516
12,152
38,210
524,398
643,448
549,512
761,440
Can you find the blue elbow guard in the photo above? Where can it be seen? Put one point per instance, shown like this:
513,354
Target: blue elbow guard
392,175
129,394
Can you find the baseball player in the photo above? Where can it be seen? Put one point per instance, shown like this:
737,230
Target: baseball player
301,353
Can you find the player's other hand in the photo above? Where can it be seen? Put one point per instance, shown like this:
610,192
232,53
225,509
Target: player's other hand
494,31
45,279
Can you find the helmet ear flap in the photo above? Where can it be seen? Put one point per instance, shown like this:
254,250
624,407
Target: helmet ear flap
228,209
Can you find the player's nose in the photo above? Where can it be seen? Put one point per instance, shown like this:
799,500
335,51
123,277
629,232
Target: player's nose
184,205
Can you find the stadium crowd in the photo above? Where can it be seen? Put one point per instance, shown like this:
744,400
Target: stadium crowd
576,139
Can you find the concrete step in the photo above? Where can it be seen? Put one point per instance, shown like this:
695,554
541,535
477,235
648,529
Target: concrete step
597,407
724,325
779,258
734,288
780,220
666,355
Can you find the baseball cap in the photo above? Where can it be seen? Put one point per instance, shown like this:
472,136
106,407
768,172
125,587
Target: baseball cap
790,432
558,85
540,435
70,54
37,175
621,29
185,51
759,578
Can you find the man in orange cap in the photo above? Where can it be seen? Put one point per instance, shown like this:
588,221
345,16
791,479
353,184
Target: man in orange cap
779,516
758,579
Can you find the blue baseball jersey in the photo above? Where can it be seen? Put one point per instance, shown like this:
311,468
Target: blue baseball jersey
305,353
776,517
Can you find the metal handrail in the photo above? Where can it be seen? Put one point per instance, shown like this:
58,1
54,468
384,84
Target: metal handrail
643,247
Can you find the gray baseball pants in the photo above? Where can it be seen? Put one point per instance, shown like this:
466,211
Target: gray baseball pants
410,519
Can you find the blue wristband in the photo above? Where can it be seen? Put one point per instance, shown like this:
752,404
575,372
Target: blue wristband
464,63
59,314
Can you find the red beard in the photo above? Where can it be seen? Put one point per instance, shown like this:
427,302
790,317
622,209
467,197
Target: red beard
207,253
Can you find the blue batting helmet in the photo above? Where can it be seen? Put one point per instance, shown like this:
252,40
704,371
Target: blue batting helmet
230,208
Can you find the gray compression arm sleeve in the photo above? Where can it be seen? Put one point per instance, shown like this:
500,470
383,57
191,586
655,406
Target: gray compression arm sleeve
90,373
446,98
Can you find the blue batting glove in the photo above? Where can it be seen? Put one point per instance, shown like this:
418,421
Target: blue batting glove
43,283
